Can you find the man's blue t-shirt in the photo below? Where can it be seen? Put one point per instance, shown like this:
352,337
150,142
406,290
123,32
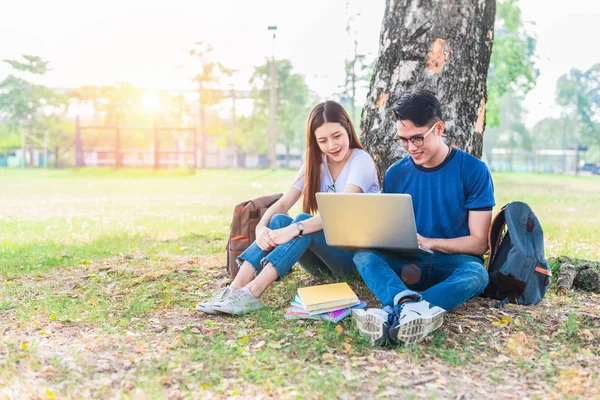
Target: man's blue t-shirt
442,196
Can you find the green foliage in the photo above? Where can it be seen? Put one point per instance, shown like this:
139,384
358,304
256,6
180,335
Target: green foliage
33,64
512,68
27,105
253,129
293,104
358,70
511,133
211,73
549,132
9,138
578,92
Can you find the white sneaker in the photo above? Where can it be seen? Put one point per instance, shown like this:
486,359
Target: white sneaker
412,321
371,324
240,301
207,305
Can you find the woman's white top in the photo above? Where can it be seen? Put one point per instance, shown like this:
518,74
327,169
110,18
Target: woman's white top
359,170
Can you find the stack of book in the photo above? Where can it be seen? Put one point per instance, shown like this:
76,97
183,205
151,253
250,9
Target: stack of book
331,302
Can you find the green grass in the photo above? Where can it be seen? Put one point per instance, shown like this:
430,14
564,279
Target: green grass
107,265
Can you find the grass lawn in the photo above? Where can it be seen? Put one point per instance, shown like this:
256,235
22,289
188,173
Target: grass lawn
100,271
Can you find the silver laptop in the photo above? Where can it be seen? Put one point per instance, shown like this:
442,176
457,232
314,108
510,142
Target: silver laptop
353,221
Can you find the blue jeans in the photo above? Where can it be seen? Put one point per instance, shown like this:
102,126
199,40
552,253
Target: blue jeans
310,251
447,280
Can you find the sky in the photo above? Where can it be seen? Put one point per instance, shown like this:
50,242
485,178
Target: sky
146,42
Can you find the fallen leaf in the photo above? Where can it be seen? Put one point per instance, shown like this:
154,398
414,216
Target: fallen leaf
339,329
347,348
572,381
518,345
327,357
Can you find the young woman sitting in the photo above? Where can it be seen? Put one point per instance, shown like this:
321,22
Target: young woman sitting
335,162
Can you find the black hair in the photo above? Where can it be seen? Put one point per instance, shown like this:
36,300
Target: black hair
420,107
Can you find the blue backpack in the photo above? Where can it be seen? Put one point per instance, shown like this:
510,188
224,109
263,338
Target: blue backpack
516,265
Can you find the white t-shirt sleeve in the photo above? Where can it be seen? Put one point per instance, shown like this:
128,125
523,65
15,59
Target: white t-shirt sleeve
299,179
362,173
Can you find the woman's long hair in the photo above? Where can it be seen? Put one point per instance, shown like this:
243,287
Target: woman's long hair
329,111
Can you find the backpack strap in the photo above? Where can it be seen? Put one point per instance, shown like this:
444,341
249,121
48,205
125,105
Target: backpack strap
502,303
495,234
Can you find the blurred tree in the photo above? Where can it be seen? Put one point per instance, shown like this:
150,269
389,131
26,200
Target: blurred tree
210,86
550,132
512,68
294,103
358,70
511,134
116,105
120,102
578,92
29,108
9,138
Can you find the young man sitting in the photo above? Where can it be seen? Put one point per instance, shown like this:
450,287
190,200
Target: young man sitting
453,196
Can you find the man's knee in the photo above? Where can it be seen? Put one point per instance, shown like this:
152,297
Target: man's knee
279,221
479,277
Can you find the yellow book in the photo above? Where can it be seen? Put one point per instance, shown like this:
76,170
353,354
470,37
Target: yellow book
325,296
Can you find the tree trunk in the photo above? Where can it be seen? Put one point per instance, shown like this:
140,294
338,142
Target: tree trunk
442,46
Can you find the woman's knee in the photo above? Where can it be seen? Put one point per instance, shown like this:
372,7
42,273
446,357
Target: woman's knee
365,259
279,221
302,217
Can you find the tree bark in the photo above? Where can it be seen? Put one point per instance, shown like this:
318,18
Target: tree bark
443,46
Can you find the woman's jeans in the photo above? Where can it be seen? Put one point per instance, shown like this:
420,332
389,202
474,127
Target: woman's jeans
447,280
310,251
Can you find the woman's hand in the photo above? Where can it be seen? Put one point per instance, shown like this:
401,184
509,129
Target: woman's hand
283,235
263,240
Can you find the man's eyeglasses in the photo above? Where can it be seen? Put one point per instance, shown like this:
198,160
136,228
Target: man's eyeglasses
417,141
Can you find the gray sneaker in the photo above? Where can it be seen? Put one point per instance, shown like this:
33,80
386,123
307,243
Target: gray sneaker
220,295
240,301
412,321
371,324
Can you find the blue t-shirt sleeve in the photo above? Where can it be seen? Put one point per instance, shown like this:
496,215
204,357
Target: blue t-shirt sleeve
362,173
387,183
480,189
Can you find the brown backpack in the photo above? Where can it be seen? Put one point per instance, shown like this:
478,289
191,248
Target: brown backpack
243,227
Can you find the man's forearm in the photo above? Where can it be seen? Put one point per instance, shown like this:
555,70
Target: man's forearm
462,245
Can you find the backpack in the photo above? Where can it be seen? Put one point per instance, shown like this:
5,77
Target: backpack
243,227
516,265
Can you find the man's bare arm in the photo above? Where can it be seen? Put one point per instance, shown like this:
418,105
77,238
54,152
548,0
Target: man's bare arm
475,244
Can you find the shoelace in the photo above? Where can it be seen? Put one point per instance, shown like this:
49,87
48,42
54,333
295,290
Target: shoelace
394,316
236,297
219,294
